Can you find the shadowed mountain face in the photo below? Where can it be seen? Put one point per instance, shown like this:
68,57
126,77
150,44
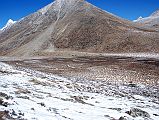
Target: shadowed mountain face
75,25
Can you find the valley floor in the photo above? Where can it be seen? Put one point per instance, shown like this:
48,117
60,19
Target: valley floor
82,88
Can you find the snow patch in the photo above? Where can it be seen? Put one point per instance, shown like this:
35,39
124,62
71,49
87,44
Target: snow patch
151,20
138,19
156,13
8,25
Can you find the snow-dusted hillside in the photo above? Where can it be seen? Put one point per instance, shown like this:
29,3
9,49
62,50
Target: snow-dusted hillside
32,95
153,16
8,24
151,21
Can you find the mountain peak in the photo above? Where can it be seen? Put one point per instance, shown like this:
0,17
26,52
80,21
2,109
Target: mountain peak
155,14
73,25
139,18
68,0
9,24
61,2
10,21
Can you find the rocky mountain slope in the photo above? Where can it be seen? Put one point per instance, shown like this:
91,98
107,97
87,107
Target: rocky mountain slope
150,22
75,25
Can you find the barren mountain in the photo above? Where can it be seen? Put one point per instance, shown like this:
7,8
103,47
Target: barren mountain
150,22
75,25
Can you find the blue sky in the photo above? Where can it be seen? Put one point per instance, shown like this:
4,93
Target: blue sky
128,9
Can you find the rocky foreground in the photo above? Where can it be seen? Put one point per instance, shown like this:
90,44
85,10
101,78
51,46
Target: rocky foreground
32,94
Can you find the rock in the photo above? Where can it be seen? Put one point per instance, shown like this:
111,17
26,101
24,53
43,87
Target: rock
42,104
1,101
23,97
117,109
20,113
123,118
131,84
5,96
135,112
4,115
32,109
5,104
155,114
13,113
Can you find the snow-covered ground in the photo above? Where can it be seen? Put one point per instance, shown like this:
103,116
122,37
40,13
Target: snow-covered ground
33,95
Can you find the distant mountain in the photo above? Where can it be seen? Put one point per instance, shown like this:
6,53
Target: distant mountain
150,22
8,25
140,18
155,14
75,25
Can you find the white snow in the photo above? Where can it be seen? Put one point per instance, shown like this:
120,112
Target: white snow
152,19
9,24
134,55
50,98
140,18
156,13
148,19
